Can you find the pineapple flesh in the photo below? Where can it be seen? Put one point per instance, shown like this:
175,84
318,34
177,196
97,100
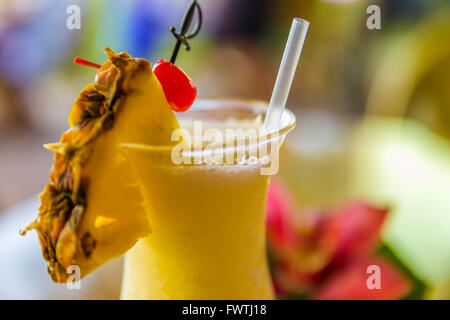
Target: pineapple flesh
92,210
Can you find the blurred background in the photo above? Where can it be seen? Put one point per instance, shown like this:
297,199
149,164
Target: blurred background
372,107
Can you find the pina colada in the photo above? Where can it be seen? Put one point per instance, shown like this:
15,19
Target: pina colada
207,223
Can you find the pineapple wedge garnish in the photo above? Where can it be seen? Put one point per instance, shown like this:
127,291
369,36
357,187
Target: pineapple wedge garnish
92,210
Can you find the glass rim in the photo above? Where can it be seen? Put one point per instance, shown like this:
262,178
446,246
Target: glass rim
211,103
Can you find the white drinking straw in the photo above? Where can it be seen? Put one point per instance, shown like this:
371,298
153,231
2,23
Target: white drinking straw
286,74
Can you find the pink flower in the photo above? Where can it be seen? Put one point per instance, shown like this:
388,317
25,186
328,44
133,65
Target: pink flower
325,254
353,281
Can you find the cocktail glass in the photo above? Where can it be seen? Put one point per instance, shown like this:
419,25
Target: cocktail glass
207,217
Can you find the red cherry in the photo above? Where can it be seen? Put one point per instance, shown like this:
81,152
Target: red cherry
179,89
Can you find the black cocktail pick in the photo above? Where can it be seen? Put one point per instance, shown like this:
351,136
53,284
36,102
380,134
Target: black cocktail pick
183,36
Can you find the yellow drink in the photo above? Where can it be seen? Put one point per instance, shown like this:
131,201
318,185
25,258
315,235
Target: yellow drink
207,221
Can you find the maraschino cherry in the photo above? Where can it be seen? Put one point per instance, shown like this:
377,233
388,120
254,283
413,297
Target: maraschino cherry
179,89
